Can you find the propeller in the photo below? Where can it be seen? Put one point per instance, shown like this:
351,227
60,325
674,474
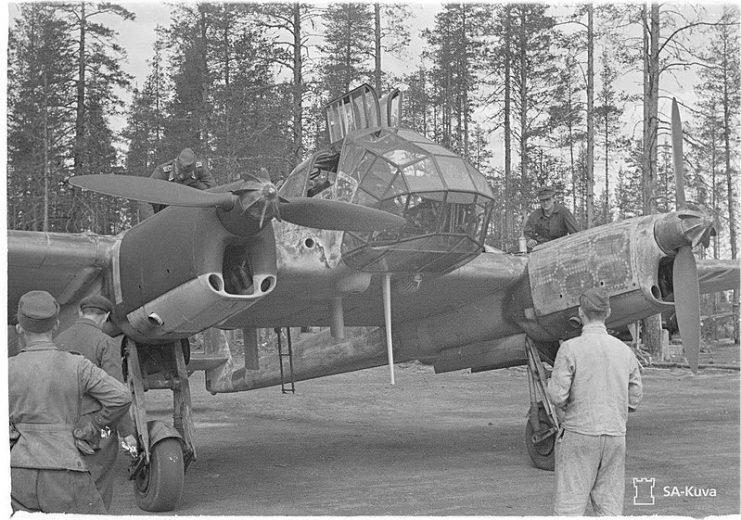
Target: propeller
684,277
155,191
308,212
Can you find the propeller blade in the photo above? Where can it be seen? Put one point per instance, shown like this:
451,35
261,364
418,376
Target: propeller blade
153,190
336,215
687,304
678,155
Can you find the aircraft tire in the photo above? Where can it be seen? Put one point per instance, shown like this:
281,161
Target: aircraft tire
160,485
542,454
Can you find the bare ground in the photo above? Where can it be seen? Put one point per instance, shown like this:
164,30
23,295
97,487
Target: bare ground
448,444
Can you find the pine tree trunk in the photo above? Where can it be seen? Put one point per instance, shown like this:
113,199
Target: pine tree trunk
298,135
523,97
80,117
651,332
508,220
652,325
590,117
377,69
732,229
47,172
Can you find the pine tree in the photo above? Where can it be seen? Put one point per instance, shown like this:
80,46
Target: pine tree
457,52
296,19
40,109
97,53
533,69
348,47
607,114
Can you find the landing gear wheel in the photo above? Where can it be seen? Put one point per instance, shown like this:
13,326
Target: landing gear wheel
543,454
158,487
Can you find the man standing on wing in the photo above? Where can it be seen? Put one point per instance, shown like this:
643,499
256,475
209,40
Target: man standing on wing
184,169
595,382
550,221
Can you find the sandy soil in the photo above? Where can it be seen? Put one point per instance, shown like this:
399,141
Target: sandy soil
448,444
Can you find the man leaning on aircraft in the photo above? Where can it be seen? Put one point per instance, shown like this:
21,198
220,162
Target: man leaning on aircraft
184,169
550,221
595,382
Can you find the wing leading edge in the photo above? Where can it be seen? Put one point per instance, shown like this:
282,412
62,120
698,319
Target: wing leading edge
718,275
66,265
303,296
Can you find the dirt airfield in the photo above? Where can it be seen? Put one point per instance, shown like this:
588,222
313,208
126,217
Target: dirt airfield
448,444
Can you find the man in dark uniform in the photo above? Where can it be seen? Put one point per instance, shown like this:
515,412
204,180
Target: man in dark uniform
45,388
87,338
184,169
550,221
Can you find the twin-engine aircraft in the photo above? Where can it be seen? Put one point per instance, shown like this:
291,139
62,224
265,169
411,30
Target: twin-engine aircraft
382,232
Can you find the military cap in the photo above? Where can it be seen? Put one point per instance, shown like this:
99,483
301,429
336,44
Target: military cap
595,300
96,302
37,311
186,158
546,193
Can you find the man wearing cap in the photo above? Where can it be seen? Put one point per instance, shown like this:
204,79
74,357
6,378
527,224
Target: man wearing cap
87,338
184,169
595,382
550,221
45,388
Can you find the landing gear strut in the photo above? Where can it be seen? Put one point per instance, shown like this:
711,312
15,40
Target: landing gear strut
542,425
158,471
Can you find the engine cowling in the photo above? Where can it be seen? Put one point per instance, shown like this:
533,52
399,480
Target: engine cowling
181,271
624,258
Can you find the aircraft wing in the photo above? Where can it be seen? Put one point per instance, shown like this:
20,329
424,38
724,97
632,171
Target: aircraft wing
66,265
718,275
303,298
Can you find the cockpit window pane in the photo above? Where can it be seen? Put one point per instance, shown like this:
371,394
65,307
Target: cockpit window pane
378,178
383,144
436,149
455,173
457,197
351,155
294,185
366,199
401,156
479,181
365,163
423,215
398,187
413,137
345,186
423,176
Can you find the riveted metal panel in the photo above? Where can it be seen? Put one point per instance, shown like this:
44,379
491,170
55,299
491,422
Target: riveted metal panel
561,270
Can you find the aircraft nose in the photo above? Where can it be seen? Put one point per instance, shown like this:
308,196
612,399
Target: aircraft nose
684,228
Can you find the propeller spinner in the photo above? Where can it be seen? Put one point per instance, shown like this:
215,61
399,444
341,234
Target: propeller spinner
309,212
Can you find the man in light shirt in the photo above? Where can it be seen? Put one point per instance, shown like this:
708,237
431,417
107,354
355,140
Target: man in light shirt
595,382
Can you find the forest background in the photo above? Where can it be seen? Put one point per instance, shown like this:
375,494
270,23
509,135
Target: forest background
530,94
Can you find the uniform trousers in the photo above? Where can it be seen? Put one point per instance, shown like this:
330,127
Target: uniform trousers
54,491
589,467
101,466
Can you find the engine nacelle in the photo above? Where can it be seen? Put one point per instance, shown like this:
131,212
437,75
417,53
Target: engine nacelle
182,271
623,258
